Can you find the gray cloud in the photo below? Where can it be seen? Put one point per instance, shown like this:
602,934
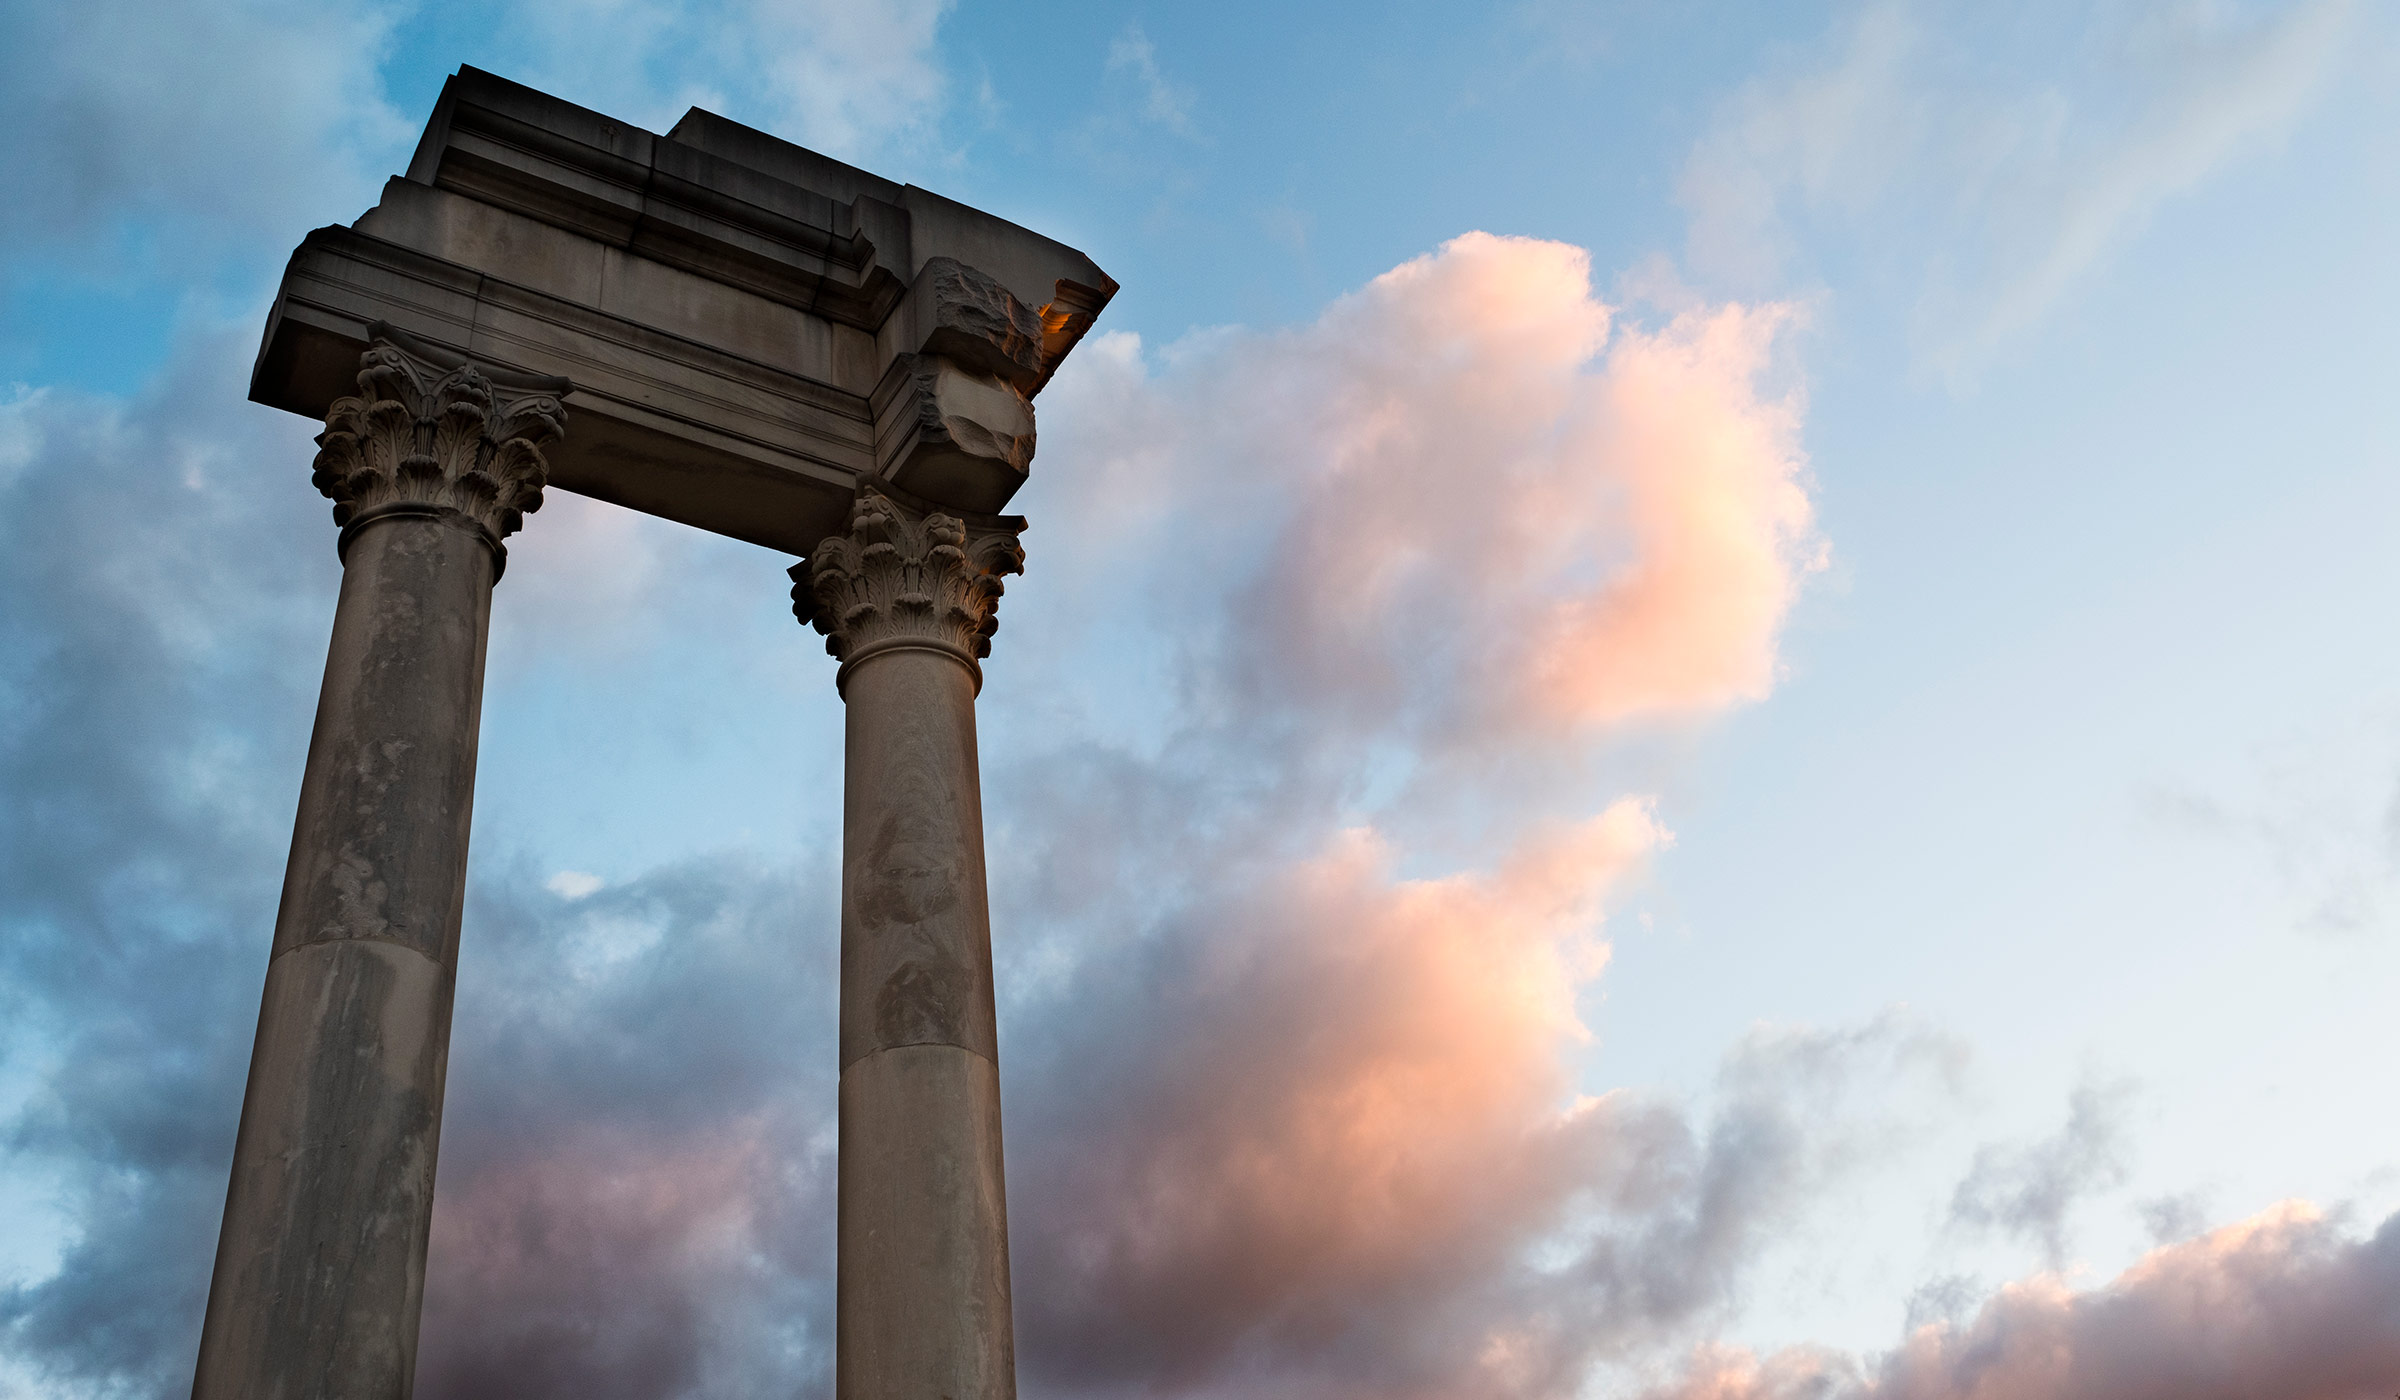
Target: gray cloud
637,1181
2028,1191
166,579
2283,1306
152,667
251,116
2327,841
1205,1206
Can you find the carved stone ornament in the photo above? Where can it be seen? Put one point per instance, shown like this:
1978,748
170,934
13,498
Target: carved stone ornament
907,578
433,429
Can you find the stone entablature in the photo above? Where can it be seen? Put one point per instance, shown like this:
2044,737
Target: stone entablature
751,328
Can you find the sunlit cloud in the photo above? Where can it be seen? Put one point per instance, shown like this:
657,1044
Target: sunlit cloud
2286,1305
1467,508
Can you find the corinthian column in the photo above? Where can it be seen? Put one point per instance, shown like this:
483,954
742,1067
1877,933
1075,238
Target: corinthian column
321,1263
907,601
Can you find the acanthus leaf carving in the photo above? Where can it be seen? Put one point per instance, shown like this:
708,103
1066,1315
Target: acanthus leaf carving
453,435
902,575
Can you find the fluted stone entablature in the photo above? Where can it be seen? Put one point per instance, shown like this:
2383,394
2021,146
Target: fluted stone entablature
751,339
908,578
435,432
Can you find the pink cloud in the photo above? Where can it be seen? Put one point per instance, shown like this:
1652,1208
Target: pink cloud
1467,506
2282,1306
1720,524
1374,1080
1288,1113
590,1267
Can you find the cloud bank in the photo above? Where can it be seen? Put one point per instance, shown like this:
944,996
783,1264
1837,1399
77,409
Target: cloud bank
2282,1306
249,117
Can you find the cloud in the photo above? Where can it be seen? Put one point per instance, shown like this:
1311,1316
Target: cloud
155,690
1294,1087
2282,1306
252,117
2314,811
1948,149
1267,1199
1466,509
1143,126
166,578
190,133
1284,1111
637,1174
1165,103
1334,1090
573,884
858,81
2028,1191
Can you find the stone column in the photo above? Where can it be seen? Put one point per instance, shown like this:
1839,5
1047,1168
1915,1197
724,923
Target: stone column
907,600
321,1263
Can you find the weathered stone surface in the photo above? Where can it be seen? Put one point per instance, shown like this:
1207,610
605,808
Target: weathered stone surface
320,1272
321,1262
429,429
945,433
379,848
725,304
972,319
923,1308
907,599
923,1291
916,931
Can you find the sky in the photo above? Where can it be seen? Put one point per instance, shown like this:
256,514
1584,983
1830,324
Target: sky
1701,709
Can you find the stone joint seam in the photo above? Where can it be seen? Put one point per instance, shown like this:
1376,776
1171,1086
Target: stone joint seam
866,1055
424,510
888,645
281,953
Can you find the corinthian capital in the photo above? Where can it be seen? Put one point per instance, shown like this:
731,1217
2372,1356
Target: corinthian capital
434,429
899,577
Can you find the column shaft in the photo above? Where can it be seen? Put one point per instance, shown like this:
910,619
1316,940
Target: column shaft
321,1266
923,1296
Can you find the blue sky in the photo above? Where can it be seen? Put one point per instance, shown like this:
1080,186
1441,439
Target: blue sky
1958,913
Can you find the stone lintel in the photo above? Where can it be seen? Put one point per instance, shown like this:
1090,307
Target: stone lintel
750,327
